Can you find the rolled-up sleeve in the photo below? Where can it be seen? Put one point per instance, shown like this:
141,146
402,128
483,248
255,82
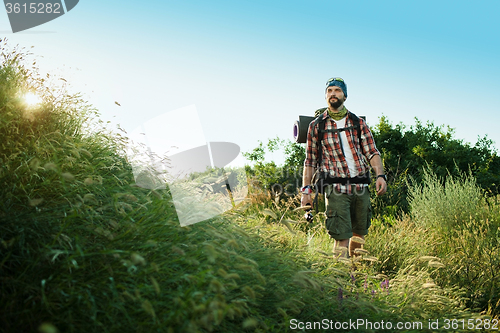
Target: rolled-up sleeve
311,146
367,141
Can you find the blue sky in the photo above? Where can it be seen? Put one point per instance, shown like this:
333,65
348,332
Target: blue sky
251,67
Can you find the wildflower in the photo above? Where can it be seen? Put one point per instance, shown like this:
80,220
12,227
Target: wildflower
385,285
340,295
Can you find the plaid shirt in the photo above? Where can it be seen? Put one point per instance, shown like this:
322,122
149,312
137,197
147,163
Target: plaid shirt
333,160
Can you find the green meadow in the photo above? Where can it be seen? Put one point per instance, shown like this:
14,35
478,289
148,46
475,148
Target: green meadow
84,249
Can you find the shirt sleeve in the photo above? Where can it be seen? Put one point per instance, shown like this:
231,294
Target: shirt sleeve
311,146
367,141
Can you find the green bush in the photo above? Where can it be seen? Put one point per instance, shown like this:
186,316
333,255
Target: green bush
408,151
283,180
450,220
445,205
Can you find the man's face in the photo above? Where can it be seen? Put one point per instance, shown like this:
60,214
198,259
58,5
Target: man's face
335,96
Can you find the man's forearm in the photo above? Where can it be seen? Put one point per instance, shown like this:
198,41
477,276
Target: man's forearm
376,163
306,177
306,180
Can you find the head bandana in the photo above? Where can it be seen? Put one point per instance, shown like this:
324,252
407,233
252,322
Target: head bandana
337,81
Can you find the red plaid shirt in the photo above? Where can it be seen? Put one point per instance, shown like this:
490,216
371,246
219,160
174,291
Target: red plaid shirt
333,160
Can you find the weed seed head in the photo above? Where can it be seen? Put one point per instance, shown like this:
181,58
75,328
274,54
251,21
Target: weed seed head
357,239
361,251
137,259
50,166
429,285
35,202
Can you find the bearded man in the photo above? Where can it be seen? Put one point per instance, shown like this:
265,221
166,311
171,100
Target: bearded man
340,147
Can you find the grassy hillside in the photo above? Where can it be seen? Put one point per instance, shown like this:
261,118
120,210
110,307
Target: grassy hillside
85,250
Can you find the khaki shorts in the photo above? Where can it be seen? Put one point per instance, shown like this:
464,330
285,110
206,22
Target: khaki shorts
347,214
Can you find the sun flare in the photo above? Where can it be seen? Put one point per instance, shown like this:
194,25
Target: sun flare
32,99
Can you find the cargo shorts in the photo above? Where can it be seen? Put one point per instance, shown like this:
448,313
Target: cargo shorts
347,214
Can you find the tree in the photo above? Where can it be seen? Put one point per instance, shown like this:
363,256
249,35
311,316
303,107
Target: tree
406,152
284,179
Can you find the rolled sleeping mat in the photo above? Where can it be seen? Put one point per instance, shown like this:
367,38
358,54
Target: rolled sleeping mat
300,128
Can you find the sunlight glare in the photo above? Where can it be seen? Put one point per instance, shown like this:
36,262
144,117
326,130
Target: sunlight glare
32,99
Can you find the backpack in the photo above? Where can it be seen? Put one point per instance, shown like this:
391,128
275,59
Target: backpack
321,179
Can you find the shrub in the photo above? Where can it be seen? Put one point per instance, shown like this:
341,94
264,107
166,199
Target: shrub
445,204
466,232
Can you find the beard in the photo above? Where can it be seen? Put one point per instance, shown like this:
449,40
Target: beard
335,102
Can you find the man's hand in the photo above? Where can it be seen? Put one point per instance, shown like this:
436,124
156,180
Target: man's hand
306,200
380,186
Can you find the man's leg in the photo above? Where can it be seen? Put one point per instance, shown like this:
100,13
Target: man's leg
361,218
338,221
353,245
342,246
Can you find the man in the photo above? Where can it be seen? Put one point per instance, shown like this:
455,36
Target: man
345,154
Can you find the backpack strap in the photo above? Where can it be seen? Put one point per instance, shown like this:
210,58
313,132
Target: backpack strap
320,121
352,116
356,124
323,180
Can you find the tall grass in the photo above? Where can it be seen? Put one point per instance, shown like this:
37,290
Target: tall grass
452,222
445,204
409,291
83,249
